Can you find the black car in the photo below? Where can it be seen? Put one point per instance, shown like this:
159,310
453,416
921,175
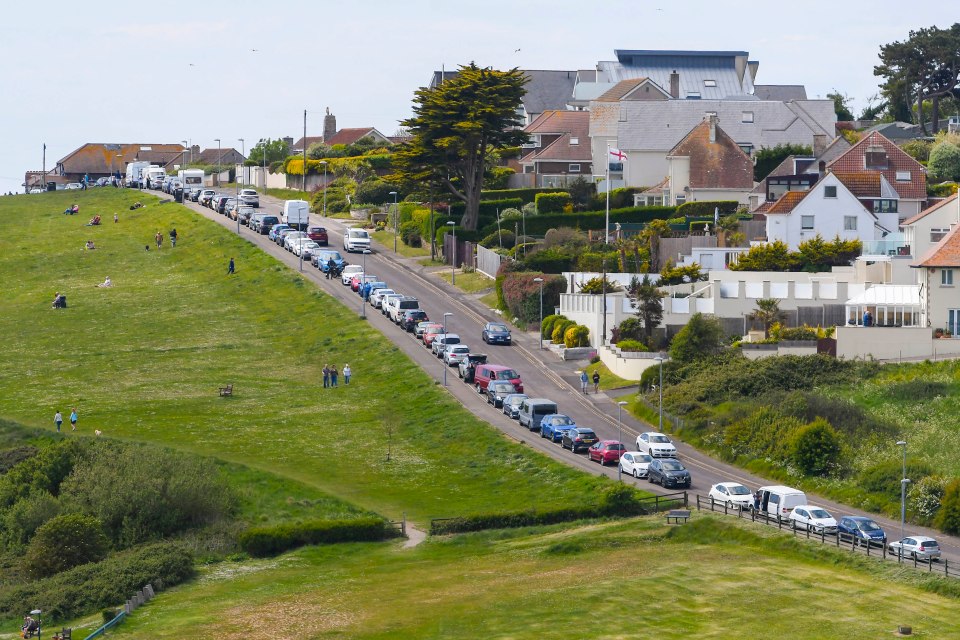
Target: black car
411,317
497,391
496,333
578,439
668,472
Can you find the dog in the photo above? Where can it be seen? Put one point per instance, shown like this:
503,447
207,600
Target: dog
98,432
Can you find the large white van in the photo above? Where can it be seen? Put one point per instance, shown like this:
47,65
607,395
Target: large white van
296,213
778,501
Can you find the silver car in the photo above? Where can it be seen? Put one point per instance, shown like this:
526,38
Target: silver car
919,547
455,354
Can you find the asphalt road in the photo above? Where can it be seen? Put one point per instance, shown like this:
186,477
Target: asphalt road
542,373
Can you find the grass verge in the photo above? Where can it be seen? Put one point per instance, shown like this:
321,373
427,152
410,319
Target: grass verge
473,282
385,238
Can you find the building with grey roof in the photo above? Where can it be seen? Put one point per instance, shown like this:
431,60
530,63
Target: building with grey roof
703,74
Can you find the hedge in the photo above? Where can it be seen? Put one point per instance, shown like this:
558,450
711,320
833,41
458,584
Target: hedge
462,234
546,327
560,329
540,224
488,208
521,295
707,208
270,541
410,234
293,165
619,198
85,589
553,202
524,195
576,336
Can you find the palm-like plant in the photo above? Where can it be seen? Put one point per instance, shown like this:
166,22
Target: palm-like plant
767,312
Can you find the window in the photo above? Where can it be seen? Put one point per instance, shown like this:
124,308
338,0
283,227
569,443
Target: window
623,113
574,168
709,83
806,223
528,168
849,223
746,148
616,167
830,191
946,277
574,140
693,95
936,235
875,158
746,116
681,200
903,176
884,206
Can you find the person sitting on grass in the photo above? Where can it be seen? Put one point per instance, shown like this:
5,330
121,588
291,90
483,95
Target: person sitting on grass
106,283
89,245
94,221
59,301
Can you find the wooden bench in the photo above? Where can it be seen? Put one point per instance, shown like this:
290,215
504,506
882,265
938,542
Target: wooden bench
226,391
678,515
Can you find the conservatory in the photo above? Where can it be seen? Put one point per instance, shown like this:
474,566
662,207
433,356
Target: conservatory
889,305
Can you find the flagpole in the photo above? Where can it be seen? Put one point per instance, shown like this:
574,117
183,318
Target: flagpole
606,229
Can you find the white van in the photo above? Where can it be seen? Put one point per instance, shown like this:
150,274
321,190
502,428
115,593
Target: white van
135,177
356,240
156,176
296,213
779,501
191,179
532,411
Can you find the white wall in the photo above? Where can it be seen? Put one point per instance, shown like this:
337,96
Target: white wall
644,168
629,366
892,343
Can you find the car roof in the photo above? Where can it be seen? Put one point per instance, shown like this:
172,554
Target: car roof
653,433
540,401
500,367
922,538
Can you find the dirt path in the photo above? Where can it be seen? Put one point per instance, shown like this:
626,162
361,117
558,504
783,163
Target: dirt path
414,537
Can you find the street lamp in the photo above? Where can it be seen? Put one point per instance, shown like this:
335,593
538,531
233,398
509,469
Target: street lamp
243,153
539,281
445,316
396,221
324,163
659,360
264,166
903,487
219,155
453,263
363,307
620,436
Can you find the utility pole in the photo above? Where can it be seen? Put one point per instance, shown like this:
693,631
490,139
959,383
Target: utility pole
304,150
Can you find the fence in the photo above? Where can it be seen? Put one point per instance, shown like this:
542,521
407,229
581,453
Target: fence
120,617
675,421
666,501
464,251
869,548
489,261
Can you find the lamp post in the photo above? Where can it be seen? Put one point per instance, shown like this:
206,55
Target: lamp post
363,307
445,316
903,487
396,221
453,263
539,281
659,360
243,154
264,170
324,163
620,437
219,155
184,152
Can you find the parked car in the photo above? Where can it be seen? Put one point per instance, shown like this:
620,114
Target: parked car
282,235
204,197
318,235
275,231
266,223
635,463
553,425
812,518
245,213
412,318
454,354
489,372
441,342
606,451
348,272
919,547
578,439
668,472
468,366
215,200
496,333
397,306
307,248
862,528
369,287
778,501
732,494
250,197
422,327
324,257
356,240
532,410
386,298
511,404
73,185
430,335
497,391
656,444
225,204
377,296
252,223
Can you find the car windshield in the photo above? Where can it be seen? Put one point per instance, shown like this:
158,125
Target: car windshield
560,421
615,447
507,374
672,465
867,525
738,490
642,457
497,327
516,400
502,386
358,233
659,439
819,514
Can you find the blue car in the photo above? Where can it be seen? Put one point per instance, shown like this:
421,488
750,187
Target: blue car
322,258
554,424
496,333
276,229
369,287
861,528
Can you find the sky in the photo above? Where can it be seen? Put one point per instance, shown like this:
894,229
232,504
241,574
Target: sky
197,71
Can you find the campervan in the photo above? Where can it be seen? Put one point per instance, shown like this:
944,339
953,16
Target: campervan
134,177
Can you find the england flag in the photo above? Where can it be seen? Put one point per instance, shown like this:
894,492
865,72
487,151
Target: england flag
617,155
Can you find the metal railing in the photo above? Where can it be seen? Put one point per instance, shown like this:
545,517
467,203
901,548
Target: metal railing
102,630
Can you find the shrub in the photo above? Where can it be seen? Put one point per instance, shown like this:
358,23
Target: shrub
410,234
631,345
884,477
699,338
944,163
270,541
494,240
576,336
560,329
9,458
44,472
524,195
948,517
546,327
521,294
816,448
553,260
706,209
26,515
926,495
630,329
794,333
599,286
64,542
619,198
375,191
765,433
552,202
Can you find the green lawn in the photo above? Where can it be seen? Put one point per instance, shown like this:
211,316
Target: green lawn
474,282
144,358
385,238
597,580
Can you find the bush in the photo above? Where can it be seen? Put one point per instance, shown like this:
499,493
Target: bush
9,458
560,329
90,587
494,240
546,327
43,472
699,338
553,260
553,202
764,434
816,448
521,295
926,495
410,234
523,195
64,542
707,208
948,517
631,345
884,478
375,191
270,541
26,515
619,198
576,336
630,329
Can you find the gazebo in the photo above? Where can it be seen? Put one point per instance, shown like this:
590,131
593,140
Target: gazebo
891,305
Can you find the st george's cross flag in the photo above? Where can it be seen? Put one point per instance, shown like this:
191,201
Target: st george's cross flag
619,155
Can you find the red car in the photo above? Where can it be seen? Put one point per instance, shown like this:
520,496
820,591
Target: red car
606,451
318,235
355,282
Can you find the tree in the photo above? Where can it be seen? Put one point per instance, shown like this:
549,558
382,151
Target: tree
816,448
698,340
841,105
581,192
948,516
455,128
772,256
768,159
64,542
276,151
649,299
944,161
767,312
651,234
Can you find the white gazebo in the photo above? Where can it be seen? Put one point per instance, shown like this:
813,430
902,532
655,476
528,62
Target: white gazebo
891,305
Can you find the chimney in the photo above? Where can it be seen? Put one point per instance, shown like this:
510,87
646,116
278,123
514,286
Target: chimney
713,128
288,141
821,169
329,125
195,151
819,144
675,84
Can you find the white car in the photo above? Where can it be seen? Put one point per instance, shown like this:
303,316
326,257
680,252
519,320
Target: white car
356,240
385,300
73,185
442,342
919,547
732,494
294,236
376,297
35,190
635,463
306,248
454,354
812,518
656,444
296,243
349,271
250,197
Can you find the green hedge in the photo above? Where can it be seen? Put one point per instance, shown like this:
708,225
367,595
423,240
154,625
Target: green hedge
707,208
546,327
91,587
462,234
540,224
553,202
524,195
270,541
488,208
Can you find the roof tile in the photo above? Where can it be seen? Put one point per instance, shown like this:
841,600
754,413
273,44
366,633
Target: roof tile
898,160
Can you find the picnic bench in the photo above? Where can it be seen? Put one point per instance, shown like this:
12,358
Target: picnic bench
226,391
678,516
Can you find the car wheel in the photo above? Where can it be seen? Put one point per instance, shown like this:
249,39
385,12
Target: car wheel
650,478
636,474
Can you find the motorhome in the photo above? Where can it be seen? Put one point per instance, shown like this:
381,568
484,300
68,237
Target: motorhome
134,177
155,176
191,179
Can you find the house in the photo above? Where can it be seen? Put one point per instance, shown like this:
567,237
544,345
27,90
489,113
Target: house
546,90
224,157
874,152
706,164
559,149
797,173
331,135
938,275
98,160
925,230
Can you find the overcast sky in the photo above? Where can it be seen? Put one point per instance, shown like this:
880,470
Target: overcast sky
200,70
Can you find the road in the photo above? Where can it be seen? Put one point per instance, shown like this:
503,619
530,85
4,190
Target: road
542,373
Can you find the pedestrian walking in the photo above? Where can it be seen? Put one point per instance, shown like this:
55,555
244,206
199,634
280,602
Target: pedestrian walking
116,218
346,374
73,419
230,267
583,381
159,238
756,500
326,376
596,382
58,420
173,237
333,376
